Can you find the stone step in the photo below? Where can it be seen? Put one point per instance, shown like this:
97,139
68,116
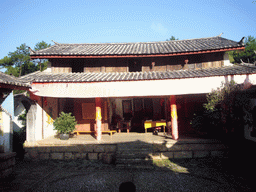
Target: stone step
128,148
134,161
132,166
134,146
134,152
133,156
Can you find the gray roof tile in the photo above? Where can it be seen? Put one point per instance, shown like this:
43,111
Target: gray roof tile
162,47
133,76
11,80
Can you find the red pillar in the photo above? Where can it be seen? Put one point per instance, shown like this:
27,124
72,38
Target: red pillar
174,118
98,118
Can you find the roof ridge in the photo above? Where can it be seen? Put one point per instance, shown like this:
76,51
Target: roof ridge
138,48
29,74
120,43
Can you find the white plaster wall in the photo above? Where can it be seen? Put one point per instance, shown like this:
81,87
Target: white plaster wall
6,139
48,126
39,126
34,123
38,123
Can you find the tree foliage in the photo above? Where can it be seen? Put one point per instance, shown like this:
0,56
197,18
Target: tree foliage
6,62
41,45
248,55
228,110
42,63
18,62
216,98
172,39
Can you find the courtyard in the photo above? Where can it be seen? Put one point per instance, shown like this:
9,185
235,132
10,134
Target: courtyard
201,174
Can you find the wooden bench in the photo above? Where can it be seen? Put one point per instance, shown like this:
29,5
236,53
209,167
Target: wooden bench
110,132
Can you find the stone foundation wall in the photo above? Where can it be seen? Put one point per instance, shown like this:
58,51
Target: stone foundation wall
98,151
189,150
89,151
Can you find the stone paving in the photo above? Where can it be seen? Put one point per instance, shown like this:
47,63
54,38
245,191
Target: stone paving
181,175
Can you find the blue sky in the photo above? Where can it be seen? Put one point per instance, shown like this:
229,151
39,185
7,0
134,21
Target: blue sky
92,21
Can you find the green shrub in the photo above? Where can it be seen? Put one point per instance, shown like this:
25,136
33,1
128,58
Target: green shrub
226,113
65,123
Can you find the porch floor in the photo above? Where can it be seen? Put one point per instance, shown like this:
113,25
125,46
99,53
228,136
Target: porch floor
119,138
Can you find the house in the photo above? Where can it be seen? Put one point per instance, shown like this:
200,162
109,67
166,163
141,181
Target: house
136,82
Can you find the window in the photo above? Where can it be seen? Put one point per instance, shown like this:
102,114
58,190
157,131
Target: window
134,65
77,66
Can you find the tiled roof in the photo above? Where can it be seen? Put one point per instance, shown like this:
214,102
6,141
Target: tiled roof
11,80
133,76
148,48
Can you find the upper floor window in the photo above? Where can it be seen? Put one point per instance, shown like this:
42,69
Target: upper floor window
77,67
134,65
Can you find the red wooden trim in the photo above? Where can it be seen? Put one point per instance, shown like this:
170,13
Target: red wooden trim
122,56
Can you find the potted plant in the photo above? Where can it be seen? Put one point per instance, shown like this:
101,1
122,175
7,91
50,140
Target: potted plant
65,124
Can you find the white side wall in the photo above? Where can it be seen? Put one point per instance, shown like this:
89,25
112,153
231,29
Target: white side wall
34,123
39,124
47,125
7,132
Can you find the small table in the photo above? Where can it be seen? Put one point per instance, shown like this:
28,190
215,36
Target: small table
149,124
